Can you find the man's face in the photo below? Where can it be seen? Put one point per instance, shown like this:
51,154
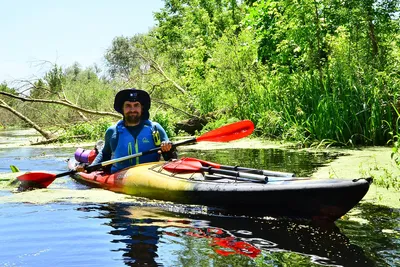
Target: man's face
132,112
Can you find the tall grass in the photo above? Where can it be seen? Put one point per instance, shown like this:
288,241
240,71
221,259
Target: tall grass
348,111
351,103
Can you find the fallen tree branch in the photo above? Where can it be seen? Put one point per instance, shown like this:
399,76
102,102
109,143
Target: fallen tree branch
26,119
56,139
25,99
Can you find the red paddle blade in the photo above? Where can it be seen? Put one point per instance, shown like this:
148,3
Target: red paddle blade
203,162
37,179
182,166
228,132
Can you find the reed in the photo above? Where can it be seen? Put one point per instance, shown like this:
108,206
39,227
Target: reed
352,108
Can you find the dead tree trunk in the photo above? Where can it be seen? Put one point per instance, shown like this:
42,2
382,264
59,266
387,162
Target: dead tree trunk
45,134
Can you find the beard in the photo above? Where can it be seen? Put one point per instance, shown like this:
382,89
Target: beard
132,118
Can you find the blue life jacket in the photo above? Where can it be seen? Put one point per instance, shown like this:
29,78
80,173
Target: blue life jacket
128,145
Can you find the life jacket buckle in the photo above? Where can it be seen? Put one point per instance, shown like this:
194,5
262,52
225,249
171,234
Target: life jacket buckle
156,137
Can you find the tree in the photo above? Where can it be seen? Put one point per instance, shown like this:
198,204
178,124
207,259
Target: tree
297,34
188,30
123,56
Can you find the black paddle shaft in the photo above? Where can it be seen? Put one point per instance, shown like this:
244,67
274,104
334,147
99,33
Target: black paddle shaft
97,166
65,173
257,171
256,177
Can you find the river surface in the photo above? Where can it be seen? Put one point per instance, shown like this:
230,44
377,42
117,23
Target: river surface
69,224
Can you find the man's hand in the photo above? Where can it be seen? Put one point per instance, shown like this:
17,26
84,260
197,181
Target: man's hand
80,168
165,146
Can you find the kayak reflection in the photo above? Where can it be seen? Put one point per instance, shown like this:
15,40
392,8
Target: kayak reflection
305,242
179,237
141,228
225,243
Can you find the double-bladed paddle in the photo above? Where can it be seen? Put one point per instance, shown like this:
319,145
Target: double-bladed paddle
225,133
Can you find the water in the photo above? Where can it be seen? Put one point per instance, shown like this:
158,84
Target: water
138,232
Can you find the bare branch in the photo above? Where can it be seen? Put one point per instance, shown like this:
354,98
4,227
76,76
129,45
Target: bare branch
63,103
158,68
175,108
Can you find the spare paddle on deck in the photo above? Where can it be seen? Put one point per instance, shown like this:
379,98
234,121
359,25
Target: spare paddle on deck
225,133
183,166
241,169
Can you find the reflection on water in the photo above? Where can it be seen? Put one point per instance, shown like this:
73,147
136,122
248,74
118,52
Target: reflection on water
19,136
137,235
128,234
19,133
52,235
35,158
379,232
151,236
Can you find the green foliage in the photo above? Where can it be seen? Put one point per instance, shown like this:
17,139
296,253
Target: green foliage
87,131
188,30
55,79
4,88
394,181
50,85
164,120
88,91
269,123
123,56
387,180
383,177
217,123
323,85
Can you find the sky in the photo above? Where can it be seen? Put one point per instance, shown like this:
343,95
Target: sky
65,31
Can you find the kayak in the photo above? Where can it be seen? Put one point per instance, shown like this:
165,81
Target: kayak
245,192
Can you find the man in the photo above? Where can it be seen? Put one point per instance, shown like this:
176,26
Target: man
135,133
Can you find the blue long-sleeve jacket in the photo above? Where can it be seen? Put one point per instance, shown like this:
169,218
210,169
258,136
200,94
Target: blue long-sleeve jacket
122,141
